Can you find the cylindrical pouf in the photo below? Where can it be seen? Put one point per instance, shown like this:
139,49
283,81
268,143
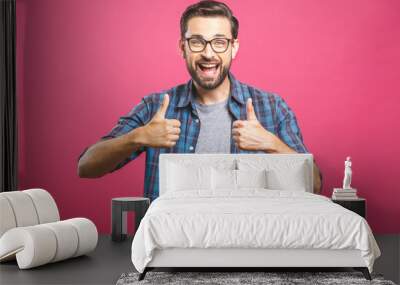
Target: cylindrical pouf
7,218
33,246
67,239
45,205
87,233
23,208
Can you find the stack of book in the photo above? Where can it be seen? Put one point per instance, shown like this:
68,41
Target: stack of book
344,194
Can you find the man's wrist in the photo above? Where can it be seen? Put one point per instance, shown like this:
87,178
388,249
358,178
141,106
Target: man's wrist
136,138
278,146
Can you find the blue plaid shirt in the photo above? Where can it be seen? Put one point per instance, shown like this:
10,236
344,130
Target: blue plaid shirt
271,111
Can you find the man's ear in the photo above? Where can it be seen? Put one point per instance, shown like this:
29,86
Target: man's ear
235,47
181,46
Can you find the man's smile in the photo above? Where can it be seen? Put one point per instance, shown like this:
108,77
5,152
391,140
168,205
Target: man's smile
207,69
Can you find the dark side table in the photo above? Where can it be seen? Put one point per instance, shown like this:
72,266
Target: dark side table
358,206
119,207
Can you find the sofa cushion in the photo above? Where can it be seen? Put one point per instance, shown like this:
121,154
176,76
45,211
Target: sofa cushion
7,218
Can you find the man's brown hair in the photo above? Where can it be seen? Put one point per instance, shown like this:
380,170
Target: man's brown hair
209,8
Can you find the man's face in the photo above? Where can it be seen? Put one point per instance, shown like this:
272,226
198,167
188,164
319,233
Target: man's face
208,68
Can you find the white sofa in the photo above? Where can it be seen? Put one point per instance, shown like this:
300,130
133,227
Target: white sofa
31,231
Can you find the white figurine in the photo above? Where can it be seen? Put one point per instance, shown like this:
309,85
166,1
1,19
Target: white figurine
347,173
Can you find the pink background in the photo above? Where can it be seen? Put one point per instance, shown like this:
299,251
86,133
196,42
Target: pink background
84,63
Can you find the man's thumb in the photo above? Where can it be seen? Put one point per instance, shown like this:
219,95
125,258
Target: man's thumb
164,106
251,115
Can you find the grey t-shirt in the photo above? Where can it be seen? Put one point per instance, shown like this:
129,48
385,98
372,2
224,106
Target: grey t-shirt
215,128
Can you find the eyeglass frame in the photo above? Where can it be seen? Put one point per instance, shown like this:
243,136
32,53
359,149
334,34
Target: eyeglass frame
208,42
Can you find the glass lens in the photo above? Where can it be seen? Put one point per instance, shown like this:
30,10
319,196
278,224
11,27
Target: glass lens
219,45
196,44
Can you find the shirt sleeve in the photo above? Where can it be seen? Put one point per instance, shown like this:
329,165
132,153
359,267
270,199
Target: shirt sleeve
288,128
137,117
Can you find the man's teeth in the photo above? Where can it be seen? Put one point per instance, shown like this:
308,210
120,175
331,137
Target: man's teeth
208,65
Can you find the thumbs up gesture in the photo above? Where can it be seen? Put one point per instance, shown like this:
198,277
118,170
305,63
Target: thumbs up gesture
159,131
250,134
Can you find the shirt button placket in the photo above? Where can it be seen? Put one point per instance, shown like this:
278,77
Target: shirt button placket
191,148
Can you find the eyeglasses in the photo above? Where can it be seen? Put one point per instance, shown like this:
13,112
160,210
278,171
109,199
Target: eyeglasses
219,45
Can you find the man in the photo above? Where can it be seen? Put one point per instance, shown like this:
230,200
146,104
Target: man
212,113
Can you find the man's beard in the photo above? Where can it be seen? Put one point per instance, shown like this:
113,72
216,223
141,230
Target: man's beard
206,84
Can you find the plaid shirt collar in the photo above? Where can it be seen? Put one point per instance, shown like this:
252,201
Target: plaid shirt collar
187,97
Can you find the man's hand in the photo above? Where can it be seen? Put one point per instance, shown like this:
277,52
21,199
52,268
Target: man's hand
160,132
250,134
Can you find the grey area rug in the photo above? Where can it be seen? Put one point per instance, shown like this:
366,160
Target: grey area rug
269,278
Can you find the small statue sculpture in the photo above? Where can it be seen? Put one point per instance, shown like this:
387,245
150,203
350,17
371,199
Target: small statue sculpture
347,173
